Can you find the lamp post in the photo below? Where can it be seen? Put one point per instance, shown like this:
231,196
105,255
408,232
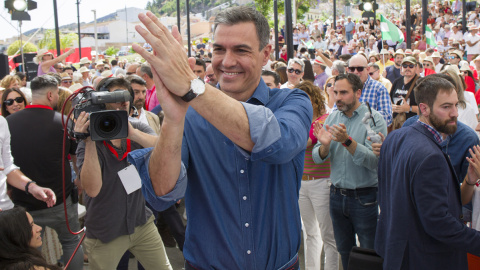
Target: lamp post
95,29
275,22
79,37
57,30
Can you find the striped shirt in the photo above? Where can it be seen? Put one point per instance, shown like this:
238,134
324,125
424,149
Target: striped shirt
316,171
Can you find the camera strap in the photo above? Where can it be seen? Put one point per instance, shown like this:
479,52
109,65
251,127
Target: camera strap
129,148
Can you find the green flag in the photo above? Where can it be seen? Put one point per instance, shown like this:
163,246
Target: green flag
309,44
390,31
430,37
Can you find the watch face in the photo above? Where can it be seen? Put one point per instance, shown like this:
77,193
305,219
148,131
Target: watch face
197,86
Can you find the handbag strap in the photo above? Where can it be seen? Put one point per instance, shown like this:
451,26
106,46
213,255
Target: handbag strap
411,87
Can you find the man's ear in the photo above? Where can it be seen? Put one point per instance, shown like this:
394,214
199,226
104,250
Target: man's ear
424,109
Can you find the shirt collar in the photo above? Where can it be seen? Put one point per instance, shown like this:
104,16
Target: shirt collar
261,94
435,133
39,106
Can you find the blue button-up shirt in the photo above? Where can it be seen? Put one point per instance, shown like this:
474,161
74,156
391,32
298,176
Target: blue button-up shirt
242,207
377,95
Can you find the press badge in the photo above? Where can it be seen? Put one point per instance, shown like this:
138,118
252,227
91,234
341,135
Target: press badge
130,179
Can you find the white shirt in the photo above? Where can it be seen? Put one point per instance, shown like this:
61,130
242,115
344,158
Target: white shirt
6,162
142,118
467,116
472,49
470,98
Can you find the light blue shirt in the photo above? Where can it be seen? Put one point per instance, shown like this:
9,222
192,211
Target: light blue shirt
360,169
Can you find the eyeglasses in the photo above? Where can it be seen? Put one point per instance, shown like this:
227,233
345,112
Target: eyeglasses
426,64
409,66
329,85
371,73
9,102
297,71
451,57
359,69
209,76
66,81
129,73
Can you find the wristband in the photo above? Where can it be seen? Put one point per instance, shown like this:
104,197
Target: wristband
28,184
476,182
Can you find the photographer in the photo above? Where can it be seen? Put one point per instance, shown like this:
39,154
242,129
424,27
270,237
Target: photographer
117,218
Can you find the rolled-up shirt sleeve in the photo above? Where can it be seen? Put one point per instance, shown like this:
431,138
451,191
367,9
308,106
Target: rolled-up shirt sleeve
279,136
140,159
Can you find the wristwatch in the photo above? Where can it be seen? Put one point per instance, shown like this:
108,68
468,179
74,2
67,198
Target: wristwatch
347,142
197,88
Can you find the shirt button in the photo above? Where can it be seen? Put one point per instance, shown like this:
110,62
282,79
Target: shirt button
249,252
242,171
246,225
244,198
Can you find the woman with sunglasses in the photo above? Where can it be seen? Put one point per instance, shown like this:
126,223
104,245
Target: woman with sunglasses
314,195
328,93
467,76
295,71
13,100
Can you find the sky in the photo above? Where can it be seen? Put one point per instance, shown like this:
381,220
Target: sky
67,13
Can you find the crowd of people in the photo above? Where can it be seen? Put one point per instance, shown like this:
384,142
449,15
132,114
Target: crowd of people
287,145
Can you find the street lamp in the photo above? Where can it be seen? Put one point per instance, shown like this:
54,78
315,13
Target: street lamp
95,26
20,5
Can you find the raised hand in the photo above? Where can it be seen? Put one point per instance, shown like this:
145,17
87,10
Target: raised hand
322,135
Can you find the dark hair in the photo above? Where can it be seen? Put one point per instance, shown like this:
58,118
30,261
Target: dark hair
136,79
67,67
345,57
316,97
240,14
114,62
20,75
5,113
108,83
43,82
282,72
308,71
276,77
427,88
56,76
352,79
200,62
15,249
146,69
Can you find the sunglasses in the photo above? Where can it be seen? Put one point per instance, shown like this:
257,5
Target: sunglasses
359,69
210,76
129,73
409,66
451,57
66,81
9,102
371,73
329,85
297,71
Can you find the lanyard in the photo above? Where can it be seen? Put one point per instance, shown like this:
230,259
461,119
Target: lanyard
115,151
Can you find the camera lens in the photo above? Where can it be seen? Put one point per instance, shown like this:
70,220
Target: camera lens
107,124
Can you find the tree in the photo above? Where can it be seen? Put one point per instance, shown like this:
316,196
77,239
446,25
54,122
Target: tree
49,41
15,46
111,51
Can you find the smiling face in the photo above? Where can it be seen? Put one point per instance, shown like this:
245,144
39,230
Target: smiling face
36,240
237,61
16,106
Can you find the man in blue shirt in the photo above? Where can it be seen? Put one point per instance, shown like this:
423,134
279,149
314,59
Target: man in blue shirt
353,193
241,148
349,27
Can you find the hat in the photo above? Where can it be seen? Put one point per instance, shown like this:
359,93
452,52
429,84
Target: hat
334,40
383,51
460,55
100,62
409,59
371,37
65,76
422,56
408,52
319,61
84,60
476,59
465,66
75,87
107,73
454,68
473,27
416,51
399,51
428,59
83,69
436,54
40,54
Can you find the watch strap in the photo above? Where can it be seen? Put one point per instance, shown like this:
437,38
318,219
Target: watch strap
28,184
189,96
347,142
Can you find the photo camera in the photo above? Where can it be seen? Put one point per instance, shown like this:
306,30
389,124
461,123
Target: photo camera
104,124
